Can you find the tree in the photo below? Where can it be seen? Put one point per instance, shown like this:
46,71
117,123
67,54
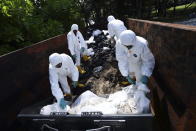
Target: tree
24,22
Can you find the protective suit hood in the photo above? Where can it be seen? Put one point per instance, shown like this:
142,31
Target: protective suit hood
55,59
127,38
74,27
110,18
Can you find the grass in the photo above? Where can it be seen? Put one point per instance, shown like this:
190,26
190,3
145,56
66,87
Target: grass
182,7
182,13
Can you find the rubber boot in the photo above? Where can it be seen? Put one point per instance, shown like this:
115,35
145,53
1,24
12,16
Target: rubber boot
86,58
82,71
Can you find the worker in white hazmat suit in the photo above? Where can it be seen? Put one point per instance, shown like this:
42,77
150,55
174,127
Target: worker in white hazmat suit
61,66
115,27
134,58
77,46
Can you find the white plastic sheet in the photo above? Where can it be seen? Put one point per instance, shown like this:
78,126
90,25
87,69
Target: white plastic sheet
90,52
89,102
96,32
105,32
46,110
90,40
106,48
97,69
91,22
130,100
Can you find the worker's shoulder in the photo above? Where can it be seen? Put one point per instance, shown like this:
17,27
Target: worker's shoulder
117,22
79,33
118,41
69,33
51,68
119,44
65,56
142,41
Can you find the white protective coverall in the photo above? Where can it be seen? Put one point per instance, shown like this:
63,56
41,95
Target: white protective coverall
59,75
75,43
115,27
138,60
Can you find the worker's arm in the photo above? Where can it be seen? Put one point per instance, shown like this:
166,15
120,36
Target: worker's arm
82,41
122,59
123,67
56,91
118,52
148,61
74,71
70,43
110,30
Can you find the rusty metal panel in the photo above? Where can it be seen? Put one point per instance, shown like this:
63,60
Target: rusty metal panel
173,46
24,77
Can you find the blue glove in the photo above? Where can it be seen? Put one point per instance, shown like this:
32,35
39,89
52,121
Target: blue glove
82,49
144,79
130,80
63,103
74,84
74,56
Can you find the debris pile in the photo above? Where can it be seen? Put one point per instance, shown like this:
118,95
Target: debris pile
103,91
103,76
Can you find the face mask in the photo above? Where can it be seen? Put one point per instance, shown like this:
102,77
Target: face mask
58,65
75,32
129,46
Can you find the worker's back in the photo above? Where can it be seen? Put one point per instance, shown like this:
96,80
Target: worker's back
116,27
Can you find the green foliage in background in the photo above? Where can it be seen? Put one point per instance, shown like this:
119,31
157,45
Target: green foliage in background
24,22
98,10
